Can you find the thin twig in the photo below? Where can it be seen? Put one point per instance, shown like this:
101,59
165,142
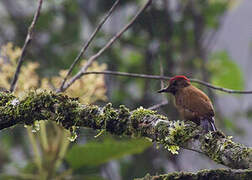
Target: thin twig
86,45
164,100
27,42
161,74
156,77
111,41
163,103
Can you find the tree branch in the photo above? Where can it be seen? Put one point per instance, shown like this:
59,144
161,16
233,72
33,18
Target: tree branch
27,42
203,174
101,51
156,106
84,48
141,122
156,77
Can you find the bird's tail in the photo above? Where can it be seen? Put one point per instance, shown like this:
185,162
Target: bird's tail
213,127
208,124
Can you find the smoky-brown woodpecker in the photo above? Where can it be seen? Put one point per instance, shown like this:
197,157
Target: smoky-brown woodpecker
191,103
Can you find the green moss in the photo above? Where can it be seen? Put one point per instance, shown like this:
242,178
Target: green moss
162,128
124,113
108,118
6,108
223,174
174,134
209,143
139,124
216,146
40,105
111,119
89,116
5,98
27,109
67,111
70,114
139,114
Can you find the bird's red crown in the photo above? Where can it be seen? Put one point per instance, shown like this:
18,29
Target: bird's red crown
175,78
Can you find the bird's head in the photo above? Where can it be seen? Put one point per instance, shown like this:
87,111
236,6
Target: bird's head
176,83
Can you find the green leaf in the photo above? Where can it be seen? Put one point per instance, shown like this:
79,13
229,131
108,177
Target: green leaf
96,153
225,72
213,11
173,149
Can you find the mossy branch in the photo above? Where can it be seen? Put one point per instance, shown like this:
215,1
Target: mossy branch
224,174
68,112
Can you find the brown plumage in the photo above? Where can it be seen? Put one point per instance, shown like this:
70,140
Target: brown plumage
192,103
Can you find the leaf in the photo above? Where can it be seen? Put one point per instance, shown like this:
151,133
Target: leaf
225,72
96,153
213,11
173,149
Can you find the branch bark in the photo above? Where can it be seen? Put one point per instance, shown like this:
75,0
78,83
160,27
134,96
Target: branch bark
68,112
204,174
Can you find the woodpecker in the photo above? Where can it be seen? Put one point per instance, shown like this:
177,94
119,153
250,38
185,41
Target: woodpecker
191,103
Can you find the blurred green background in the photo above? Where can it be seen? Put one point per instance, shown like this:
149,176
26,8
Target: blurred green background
204,39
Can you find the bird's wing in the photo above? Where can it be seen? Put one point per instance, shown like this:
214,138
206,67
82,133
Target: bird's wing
196,101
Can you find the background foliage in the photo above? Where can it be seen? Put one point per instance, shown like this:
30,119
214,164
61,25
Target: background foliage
177,36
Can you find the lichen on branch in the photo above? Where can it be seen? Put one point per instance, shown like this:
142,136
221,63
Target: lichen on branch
70,113
203,174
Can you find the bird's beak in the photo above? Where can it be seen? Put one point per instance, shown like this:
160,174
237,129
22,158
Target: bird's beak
167,89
